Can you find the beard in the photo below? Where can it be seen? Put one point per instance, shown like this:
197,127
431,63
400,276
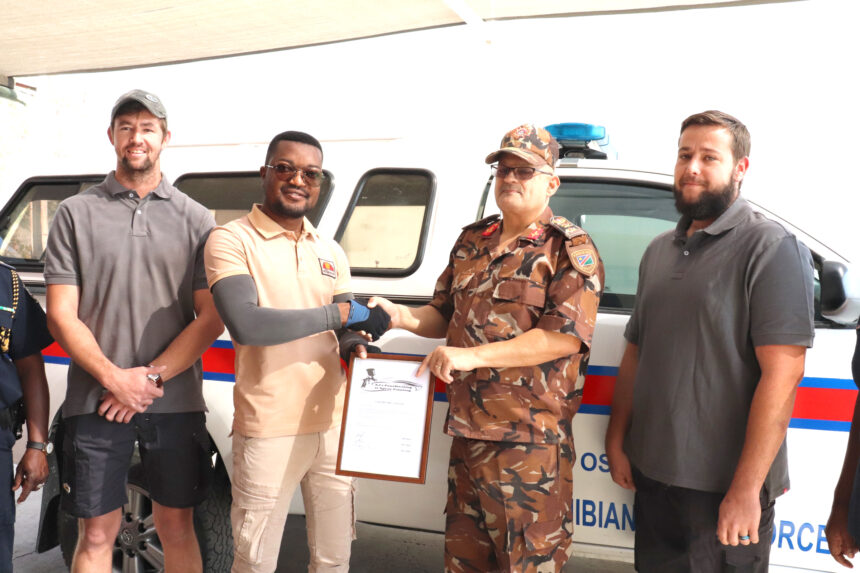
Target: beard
145,167
292,211
709,205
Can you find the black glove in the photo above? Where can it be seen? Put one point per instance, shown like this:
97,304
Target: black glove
347,341
375,324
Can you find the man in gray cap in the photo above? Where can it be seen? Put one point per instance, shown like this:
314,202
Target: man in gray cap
127,299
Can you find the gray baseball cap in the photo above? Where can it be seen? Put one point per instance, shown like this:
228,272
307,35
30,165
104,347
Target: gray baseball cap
146,99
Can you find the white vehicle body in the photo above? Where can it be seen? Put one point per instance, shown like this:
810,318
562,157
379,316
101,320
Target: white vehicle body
460,181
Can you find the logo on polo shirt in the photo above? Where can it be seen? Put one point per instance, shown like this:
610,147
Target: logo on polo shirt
327,268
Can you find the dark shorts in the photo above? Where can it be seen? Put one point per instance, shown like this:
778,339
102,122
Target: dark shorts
676,532
174,451
7,501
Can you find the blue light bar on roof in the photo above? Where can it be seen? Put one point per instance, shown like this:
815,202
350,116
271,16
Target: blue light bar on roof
577,131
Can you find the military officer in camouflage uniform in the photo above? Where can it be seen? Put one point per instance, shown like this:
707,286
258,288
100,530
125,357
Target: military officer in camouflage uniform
517,303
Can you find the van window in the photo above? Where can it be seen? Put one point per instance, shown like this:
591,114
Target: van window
385,226
231,195
621,218
26,219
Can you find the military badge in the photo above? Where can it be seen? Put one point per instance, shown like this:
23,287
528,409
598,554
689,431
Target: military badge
566,227
584,260
490,230
327,268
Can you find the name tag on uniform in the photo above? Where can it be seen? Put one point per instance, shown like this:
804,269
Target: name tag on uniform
327,268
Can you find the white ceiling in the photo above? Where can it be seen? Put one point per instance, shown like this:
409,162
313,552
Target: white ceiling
48,36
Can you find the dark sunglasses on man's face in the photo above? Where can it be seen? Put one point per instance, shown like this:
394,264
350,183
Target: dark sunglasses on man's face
286,172
521,173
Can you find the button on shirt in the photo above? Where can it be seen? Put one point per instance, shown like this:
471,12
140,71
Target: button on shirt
489,294
704,303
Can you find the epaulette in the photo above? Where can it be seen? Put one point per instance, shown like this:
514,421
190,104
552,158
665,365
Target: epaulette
7,265
485,222
579,247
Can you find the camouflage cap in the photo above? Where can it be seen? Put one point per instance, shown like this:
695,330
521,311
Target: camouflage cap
532,143
146,99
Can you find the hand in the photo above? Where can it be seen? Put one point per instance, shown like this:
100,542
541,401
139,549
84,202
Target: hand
131,388
740,513
392,309
373,321
445,359
115,411
840,542
31,473
619,468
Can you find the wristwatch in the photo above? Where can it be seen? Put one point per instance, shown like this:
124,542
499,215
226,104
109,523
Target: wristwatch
156,379
46,447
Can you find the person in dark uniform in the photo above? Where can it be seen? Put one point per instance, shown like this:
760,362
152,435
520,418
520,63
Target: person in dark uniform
23,395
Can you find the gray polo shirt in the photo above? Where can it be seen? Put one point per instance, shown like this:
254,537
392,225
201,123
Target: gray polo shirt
703,304
137,263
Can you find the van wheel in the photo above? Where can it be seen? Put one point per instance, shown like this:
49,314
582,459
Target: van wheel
137,547
212,524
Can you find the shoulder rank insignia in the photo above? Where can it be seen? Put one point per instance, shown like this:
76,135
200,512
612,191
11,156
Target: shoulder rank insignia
584,258
568,229
485,222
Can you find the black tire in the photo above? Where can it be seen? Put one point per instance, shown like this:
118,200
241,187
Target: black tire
138,548
212,524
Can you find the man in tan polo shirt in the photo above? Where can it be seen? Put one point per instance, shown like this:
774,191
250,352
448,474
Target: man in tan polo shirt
282,291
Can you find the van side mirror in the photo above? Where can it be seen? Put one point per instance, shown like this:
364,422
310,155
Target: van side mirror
840,292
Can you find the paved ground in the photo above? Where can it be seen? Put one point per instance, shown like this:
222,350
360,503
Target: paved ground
378,549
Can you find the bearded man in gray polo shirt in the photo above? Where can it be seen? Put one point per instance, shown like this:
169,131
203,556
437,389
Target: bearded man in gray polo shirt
127,299
716,349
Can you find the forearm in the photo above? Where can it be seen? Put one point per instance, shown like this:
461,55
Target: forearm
842,493
424,321
249,324
34,385
622,398
191,343
769,415
533,347
74,336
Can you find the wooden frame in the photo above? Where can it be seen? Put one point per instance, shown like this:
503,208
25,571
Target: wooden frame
385,433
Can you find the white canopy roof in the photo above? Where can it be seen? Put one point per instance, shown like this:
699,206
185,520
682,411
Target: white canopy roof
49,36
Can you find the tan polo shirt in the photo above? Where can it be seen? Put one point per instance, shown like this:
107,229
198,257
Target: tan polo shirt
296,387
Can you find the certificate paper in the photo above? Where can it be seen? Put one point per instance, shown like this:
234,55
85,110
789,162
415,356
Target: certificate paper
386,419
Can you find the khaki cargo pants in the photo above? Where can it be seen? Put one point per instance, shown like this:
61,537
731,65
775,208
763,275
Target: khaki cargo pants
266,472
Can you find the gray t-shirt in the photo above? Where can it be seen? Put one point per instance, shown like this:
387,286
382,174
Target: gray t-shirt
137,263
703,304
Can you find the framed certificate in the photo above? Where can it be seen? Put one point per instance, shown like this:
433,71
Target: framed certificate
385,432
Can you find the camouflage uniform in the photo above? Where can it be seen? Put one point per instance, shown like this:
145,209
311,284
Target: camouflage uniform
511,468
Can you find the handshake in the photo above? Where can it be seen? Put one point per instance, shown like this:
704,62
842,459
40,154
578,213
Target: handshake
374,321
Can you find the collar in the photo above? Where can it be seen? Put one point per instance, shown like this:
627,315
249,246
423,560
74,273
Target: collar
114,187
269,228
536,231
731,218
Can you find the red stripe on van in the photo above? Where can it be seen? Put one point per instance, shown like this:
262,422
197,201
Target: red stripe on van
598,390
824,404
219,360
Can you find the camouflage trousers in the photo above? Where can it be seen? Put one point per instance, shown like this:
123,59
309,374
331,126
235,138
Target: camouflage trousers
510,507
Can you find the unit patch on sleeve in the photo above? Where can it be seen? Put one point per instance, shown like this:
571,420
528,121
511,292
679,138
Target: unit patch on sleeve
327,268
584,260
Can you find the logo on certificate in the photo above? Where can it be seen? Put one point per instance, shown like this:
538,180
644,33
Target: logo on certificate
371,383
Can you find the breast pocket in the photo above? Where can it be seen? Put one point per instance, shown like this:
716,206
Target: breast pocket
517,305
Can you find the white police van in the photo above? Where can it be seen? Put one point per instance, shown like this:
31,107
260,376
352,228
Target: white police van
396,208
